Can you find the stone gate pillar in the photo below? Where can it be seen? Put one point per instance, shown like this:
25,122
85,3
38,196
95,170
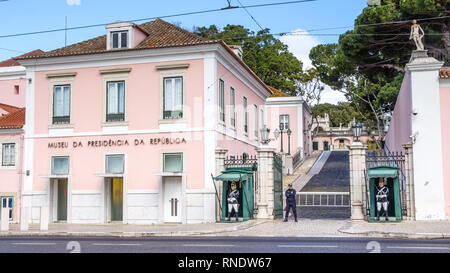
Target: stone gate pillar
409,178
220,167
357,180
264,192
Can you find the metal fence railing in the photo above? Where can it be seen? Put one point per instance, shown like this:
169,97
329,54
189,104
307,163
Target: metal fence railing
296,159
323,199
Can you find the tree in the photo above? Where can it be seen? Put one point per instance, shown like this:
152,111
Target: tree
267,56
367,64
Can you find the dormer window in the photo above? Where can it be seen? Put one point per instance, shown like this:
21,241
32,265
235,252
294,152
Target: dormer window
119,39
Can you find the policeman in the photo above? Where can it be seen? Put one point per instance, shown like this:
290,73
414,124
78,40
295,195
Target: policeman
382,199
232,200
290,202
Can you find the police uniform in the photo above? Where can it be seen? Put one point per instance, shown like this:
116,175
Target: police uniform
233,204
382,200
290,203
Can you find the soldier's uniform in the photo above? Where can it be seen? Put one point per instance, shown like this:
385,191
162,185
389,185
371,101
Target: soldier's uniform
233,204
290,203
382,201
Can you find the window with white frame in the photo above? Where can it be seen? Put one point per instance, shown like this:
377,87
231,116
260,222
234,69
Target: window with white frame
7,202
173,162
256,121
222,100
115,164
284,122
61,104
8,154
173,98
119,39
115,101
232,107
245,115
60,165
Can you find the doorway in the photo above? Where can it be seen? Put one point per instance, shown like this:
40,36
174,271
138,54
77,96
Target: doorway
172,199
116,198
59,199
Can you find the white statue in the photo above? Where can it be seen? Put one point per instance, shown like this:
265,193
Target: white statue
417,34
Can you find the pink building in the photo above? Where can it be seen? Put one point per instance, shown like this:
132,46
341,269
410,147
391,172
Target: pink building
421,119
124,127
11,155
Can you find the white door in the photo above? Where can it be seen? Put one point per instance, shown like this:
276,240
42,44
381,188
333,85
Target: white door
172,200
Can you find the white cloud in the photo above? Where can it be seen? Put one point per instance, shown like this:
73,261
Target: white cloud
300,45
73,2
331,96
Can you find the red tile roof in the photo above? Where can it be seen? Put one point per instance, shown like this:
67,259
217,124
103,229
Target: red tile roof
13,120
160,35
8,108
444,73
12,62
277,93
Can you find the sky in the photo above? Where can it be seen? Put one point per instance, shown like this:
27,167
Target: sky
24,16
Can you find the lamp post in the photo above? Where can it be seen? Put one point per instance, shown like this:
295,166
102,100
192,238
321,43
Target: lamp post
265,135
289,132
357,128
281,131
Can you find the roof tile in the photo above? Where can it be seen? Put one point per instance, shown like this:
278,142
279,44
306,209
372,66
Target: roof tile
13,120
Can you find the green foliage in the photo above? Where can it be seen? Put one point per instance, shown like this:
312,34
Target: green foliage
343,113
368,62
267,56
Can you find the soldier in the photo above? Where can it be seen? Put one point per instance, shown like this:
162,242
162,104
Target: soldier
382,199
232,200
290,202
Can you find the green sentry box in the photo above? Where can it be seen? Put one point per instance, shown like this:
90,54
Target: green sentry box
391,175
244,178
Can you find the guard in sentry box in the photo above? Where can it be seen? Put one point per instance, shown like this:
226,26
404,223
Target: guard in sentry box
233,203
290,202
382,199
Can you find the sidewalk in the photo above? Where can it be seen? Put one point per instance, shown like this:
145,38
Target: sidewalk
404,229
252,228
123,230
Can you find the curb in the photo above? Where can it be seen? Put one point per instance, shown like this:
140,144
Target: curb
243,226
397,235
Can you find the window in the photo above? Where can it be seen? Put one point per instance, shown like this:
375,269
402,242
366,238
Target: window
115,164
222,100
233,107
256,121
245,116
8,154
7,202
119,39
60,165
16,89
61,104
115,104
284,122
173,98
173,163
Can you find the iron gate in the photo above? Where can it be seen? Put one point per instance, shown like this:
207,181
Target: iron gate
277,186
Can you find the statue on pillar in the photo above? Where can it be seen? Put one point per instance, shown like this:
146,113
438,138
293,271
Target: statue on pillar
417,35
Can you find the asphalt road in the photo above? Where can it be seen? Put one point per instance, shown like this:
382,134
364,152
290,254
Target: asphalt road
210,244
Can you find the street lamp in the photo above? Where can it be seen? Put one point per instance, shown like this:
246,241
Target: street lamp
289,132
276,133
265,135
357,128
281,130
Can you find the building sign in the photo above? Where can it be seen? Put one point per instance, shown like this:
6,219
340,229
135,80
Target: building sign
116,143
